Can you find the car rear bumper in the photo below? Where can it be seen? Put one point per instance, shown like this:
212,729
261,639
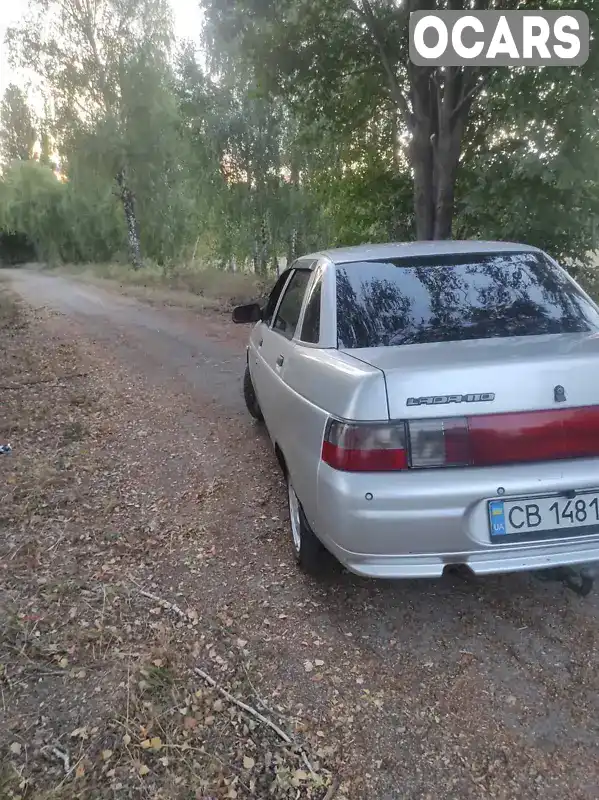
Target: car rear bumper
416,524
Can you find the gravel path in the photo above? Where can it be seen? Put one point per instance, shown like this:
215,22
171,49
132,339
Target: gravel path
434,689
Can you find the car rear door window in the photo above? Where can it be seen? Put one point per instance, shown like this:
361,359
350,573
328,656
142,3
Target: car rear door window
311,324
289,309
449,298
273,298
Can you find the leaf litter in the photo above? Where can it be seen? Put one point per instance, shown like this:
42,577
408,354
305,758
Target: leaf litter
99,694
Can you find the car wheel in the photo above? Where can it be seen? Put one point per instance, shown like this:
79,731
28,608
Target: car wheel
249,395
309,552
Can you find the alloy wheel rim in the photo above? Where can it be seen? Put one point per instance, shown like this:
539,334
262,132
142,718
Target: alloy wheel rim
294,516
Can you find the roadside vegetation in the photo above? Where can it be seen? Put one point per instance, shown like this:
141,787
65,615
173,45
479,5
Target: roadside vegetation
204,289
298,125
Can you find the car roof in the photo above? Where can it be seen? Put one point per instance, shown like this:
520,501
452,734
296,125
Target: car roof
369,252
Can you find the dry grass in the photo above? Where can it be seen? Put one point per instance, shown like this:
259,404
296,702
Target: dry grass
209,288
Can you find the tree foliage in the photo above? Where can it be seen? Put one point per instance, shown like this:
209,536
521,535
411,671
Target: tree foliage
31,203
345,63
17,128
297,129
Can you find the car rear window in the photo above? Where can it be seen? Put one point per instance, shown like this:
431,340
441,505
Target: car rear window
450,298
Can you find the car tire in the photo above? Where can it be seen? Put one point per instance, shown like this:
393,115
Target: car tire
249,395
308,551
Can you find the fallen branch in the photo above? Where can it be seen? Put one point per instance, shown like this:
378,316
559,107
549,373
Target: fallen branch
64,757
243,705
70,771
261,702
165,604
257,715
209,680
54,379
307,762
61,755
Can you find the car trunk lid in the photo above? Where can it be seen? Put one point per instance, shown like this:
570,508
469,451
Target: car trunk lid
494,402
489,376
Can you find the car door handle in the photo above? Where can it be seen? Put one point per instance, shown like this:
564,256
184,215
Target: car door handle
280,360
260,342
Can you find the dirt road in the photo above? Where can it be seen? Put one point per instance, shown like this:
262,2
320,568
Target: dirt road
448,689
166,345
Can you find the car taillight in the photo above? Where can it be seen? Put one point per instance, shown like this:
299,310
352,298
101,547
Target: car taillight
439,442
534,436
478,441
365,447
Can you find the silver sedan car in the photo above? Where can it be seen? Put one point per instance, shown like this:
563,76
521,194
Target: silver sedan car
431,404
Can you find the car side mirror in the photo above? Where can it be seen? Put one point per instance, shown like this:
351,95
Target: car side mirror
251,312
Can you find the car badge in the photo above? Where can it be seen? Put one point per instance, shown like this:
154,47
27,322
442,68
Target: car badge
559,394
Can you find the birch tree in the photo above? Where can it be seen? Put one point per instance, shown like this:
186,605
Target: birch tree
17,127
84,51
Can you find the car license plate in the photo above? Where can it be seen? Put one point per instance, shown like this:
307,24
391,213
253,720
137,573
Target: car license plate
538,517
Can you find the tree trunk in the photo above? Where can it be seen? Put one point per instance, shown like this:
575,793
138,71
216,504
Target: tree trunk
263,260
422,153
421,156
435,159
452,113
420,119
395,138
128,201
434,110
438,124
292,246
447,158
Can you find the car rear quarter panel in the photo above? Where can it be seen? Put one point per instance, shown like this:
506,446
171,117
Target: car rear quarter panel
323,383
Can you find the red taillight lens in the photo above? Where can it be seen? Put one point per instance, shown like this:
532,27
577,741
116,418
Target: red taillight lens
365,447
481,441
534,436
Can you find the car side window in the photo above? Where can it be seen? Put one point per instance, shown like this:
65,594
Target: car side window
311,324
291,304
273,299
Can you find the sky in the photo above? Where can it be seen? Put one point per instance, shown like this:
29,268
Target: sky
10,12
188,20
